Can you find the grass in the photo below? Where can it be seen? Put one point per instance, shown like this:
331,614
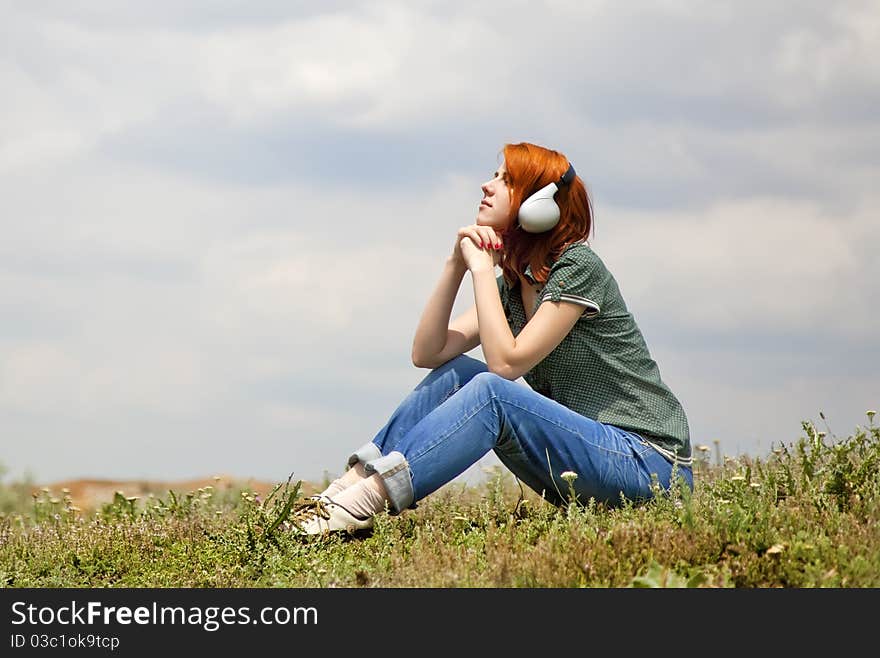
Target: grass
804,516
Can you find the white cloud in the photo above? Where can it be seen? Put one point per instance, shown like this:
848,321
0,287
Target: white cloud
731,149
760,264
824,58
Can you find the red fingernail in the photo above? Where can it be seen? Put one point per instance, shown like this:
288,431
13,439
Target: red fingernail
481,245
498,246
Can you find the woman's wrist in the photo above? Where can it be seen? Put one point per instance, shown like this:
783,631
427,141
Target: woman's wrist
476,269
458,265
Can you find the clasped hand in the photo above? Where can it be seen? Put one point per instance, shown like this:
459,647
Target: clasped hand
477,247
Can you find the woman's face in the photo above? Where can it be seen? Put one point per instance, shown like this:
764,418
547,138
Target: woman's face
495,206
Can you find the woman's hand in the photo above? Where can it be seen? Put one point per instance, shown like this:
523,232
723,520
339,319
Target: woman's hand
477,246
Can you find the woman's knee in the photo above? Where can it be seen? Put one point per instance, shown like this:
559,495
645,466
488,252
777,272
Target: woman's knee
468,367
489,379
464,367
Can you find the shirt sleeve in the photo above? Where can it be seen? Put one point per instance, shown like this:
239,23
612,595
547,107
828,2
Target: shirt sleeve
576,277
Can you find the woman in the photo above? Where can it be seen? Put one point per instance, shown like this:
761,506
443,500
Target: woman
595,405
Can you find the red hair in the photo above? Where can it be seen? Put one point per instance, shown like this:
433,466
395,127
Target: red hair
529,168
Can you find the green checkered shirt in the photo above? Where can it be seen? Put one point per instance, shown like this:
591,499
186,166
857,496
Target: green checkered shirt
602,369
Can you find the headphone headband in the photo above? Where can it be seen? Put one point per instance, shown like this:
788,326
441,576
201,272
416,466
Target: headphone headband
567,177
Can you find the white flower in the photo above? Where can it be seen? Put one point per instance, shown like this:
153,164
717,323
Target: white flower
569,476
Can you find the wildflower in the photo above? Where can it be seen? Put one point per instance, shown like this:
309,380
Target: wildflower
703,448
569,476
737,478
870,413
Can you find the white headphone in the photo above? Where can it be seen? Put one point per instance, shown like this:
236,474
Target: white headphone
539,212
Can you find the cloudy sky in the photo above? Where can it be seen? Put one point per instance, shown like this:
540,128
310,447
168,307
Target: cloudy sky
220,219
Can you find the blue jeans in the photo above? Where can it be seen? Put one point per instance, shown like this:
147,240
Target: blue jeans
460,411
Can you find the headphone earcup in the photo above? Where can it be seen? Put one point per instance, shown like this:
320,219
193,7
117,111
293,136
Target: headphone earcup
539,212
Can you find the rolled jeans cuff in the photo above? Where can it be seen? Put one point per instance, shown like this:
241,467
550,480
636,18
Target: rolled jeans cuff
394,471
364,454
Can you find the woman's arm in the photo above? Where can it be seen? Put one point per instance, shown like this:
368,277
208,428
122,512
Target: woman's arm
505,355
436,340
497,339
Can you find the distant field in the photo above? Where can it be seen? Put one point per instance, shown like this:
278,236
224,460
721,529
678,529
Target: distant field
90,494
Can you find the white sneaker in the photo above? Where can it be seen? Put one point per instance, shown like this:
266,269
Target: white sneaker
318,515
